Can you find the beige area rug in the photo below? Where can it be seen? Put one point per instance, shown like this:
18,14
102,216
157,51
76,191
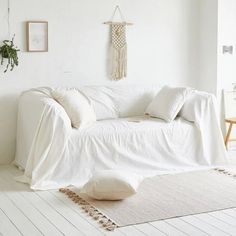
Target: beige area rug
164,197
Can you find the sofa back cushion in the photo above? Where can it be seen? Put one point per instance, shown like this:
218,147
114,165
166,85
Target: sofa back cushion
101,98
132,100
110,102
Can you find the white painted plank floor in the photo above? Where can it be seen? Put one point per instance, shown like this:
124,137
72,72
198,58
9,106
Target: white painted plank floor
29,213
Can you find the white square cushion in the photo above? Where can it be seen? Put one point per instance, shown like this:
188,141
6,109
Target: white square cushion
168,102
77,107
112,185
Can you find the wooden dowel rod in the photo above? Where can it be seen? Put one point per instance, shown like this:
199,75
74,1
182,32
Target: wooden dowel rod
110,22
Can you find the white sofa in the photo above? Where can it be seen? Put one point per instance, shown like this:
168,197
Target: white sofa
55,155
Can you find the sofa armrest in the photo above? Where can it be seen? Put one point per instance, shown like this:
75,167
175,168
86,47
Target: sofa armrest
201,108
32,105
196,106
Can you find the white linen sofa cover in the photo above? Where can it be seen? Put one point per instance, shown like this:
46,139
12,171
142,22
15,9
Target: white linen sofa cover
55,155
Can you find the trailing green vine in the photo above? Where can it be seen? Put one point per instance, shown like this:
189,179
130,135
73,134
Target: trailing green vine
9,51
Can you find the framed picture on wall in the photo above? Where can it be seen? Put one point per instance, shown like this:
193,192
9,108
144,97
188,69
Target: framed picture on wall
37,36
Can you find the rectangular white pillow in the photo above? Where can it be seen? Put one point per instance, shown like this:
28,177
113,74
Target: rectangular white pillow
77,107
168,102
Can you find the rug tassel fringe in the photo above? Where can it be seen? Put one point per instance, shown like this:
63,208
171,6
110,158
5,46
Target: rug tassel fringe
108,224
225,172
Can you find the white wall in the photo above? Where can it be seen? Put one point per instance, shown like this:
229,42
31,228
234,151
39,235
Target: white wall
208,21
226,62
217,28
226,36
162,48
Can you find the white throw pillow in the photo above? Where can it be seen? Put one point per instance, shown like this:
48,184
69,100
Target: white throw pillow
168,102
112,185
77,107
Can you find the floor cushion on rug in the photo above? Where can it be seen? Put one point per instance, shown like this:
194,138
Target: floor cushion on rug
112,185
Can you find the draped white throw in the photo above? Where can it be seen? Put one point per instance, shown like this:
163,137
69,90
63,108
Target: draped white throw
60,155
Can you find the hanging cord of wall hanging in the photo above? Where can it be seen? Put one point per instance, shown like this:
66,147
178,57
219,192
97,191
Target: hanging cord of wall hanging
8,19
117,9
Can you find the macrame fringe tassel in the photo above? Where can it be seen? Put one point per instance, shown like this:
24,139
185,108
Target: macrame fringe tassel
225,172
93,212
119,62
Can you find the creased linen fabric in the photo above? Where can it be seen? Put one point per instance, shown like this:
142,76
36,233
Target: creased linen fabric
201,108
60,155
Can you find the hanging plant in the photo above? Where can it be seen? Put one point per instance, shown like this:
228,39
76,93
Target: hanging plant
9,51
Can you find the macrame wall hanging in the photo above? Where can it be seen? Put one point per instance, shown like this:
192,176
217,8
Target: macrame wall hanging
118,46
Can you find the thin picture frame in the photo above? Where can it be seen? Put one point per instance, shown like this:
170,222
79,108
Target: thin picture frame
37,36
